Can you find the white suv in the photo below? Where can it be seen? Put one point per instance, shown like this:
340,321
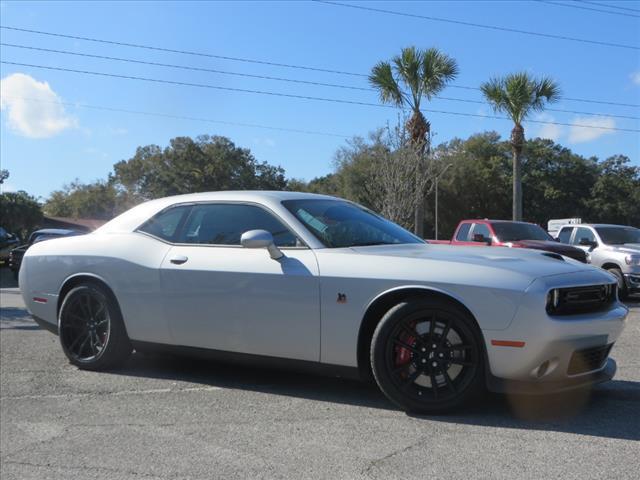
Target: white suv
616,248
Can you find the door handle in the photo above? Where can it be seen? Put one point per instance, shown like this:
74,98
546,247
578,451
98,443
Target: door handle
179,259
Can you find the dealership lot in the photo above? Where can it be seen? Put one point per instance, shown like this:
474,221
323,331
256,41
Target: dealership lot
162,418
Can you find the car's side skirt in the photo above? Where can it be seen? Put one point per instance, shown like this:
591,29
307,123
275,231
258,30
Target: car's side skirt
247,359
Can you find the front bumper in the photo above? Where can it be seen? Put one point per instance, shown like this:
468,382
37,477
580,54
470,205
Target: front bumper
519,387
544,359
633,281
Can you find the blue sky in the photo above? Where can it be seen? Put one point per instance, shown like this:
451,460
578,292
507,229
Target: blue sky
45,145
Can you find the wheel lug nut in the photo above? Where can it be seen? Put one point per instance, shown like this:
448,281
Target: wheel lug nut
424,349
424,360
441,355
434,364
433,346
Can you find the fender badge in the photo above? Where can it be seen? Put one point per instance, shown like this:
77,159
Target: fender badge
342,298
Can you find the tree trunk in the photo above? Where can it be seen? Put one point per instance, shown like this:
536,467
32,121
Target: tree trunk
517,143
419,128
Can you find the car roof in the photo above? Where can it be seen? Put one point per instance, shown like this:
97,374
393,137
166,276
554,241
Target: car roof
134,217
488,220
596,225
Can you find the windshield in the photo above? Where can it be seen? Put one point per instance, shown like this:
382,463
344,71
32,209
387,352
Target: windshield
619,235
512,232
339,224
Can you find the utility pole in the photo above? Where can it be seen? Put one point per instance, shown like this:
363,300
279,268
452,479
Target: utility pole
436,212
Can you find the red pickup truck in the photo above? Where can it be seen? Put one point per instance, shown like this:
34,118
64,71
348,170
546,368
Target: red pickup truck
505,233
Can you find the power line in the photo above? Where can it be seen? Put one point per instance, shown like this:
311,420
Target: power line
368,89
183,52
184,67
179,117
479,25
301,97
301,67
607,5
568,5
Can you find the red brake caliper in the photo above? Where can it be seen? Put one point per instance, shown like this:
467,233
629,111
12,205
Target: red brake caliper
403,355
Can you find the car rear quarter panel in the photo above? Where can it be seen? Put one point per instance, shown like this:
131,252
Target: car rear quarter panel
127,263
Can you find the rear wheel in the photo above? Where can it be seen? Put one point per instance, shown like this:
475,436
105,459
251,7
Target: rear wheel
91,330
427,356
623,293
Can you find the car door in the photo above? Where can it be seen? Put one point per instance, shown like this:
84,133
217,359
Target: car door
564,236
221,296
479,229
581,235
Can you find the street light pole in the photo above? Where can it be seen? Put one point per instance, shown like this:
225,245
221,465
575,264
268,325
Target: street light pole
436,185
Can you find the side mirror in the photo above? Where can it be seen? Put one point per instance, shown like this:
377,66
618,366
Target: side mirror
261,239
585,242
480,238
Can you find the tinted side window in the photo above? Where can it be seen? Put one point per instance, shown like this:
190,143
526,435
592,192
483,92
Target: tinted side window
565,234
481,228
583,233
165,224
224,224
463,232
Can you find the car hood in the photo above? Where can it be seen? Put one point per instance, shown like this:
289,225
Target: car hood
528,262
551,246
627,248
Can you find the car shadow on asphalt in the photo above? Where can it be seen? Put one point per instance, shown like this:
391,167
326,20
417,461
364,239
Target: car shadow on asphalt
607,410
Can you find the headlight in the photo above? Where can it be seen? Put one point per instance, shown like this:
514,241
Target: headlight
553,300
632,259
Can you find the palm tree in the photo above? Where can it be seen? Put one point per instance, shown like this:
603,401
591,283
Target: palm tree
518,95
403,82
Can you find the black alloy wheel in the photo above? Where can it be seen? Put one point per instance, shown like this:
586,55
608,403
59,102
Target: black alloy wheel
91,329
427,355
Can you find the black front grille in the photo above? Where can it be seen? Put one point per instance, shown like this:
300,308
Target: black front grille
589,359
574,300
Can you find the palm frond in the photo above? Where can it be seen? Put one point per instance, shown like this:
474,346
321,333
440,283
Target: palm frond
407,66
381,78
438,69
518,94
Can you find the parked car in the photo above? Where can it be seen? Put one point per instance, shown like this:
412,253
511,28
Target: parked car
8,241
323,284
616,248
505,233
16,254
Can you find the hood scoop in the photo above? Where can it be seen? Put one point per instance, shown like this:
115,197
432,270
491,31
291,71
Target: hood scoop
556,256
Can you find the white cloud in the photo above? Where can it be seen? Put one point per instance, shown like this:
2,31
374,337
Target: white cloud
548,130
579,134
635,78
34,109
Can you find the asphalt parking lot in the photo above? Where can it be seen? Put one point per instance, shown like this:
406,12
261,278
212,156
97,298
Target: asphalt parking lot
169,418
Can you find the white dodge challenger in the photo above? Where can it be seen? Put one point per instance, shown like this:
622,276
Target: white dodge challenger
316,282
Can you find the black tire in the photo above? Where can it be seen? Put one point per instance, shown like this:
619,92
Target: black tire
91,329
623,292
407,366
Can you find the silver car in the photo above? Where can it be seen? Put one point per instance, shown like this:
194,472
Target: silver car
320,283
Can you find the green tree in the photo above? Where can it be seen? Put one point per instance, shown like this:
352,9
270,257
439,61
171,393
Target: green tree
4,174
615,196
21,213
100,200
194,165
518,95
404,81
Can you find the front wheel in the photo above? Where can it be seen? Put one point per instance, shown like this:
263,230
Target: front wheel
427,356
91,330
623,293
